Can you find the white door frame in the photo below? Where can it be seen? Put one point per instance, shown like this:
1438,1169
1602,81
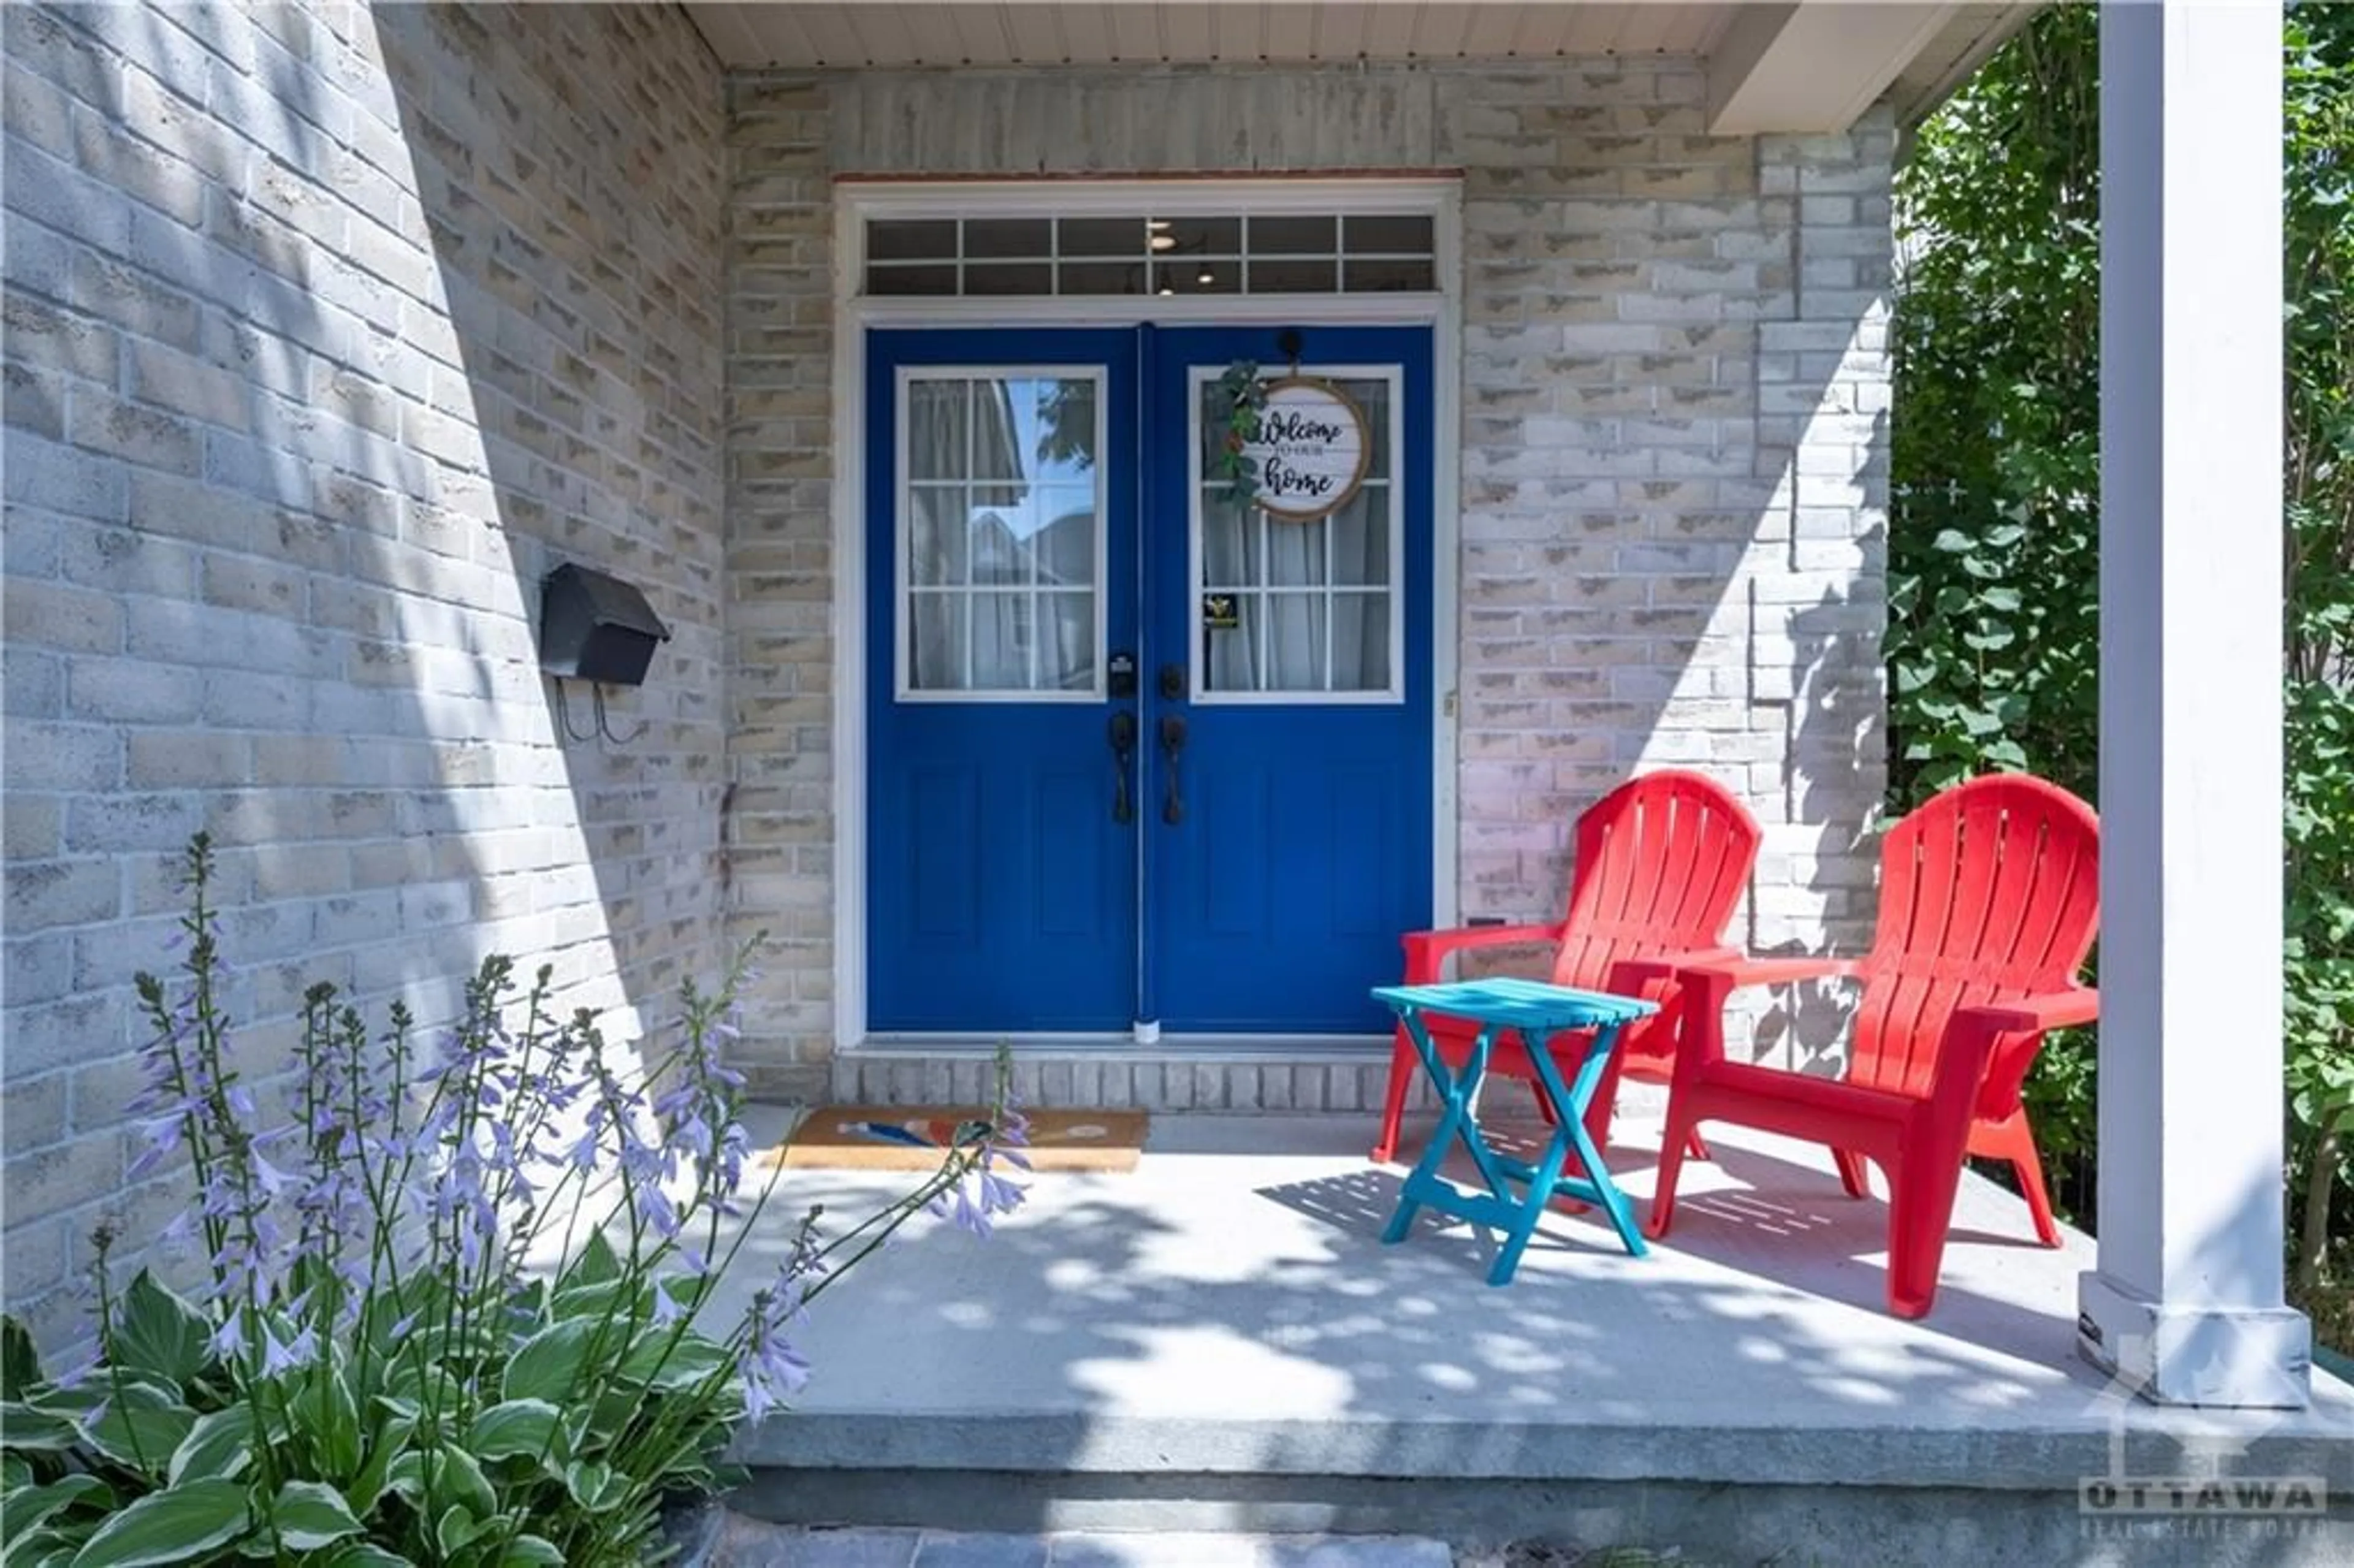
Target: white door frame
856,202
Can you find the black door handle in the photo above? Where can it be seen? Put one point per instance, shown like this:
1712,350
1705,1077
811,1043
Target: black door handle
1123,754
1173,742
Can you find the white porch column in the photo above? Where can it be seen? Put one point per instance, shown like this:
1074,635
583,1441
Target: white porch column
2186,1303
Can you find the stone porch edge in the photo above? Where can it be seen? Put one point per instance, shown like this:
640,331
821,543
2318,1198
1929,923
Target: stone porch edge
1857,1454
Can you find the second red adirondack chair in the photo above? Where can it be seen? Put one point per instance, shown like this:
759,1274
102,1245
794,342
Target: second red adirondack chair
1989,899
1660,863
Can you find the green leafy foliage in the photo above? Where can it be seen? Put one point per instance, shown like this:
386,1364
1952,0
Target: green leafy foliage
1993,641
375,1377
2318,84
1236,403
178,1524
1994,552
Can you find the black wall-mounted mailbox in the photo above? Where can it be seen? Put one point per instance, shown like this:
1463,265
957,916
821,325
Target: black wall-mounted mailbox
593,626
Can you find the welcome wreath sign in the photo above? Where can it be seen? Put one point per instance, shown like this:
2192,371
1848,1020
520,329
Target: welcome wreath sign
1310,451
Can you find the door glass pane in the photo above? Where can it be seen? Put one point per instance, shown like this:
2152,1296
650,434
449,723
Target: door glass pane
1065,548
1067,641
1361,641
936,626
1000,642
936,547
1295,553
1293,659
1371,395
1298,606
1361,537
1230,540
1002,534
935,428
1000,545
1229,652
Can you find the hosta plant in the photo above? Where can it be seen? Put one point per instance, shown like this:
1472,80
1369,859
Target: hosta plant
378,1367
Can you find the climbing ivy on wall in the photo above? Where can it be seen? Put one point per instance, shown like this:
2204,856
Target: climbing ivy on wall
1993,555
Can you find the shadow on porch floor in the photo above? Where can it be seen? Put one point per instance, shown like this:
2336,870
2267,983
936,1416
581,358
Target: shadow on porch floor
1229,1309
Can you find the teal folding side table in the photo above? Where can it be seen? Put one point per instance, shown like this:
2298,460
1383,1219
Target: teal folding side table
1537,1011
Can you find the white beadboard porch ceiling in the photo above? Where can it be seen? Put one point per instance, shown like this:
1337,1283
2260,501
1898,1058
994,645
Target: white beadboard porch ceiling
1104,32
1917,49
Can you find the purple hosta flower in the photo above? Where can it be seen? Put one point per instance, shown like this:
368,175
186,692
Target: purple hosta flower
582,1155
970,1216
772,1370
271,1180
693,1134
460,1203
998,1196
229,1339
220,1198
1007,1138
300,1351
162,1134
666,1311
654,1207
642,1162
334,1207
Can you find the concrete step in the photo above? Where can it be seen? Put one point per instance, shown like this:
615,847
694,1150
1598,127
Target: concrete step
1490,1521
733,1541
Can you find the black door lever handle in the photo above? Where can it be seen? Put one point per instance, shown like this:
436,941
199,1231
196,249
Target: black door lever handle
1172,744
1123,754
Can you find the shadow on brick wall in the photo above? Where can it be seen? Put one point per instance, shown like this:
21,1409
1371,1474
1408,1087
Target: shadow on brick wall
568,164
314,367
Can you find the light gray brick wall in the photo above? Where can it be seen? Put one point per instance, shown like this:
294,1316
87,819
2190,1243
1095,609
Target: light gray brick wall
779,561
1673,398
329,330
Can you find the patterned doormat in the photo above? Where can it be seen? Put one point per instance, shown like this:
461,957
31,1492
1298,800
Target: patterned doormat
914,1138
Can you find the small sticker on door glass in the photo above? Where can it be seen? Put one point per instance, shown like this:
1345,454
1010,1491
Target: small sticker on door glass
1219,612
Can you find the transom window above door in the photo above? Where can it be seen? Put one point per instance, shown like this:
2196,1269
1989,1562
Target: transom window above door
1257,253
1003,532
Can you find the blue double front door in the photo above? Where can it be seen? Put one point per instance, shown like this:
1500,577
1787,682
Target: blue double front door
1139,752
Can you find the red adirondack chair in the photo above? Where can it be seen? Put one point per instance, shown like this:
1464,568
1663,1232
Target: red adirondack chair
1989,899
1660,863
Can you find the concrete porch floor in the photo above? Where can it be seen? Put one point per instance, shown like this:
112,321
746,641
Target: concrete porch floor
1220,1340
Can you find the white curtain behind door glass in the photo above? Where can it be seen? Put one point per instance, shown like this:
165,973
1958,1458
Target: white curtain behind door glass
1311,603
